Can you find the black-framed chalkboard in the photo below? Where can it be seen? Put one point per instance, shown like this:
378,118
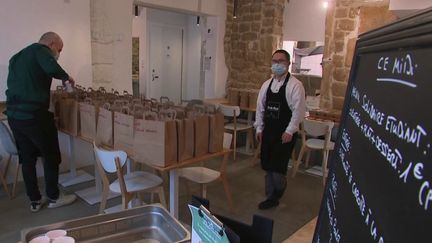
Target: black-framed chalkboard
379,187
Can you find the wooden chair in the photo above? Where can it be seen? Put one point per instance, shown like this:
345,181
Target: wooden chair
128,185
8,143
204,175
232,112
315,129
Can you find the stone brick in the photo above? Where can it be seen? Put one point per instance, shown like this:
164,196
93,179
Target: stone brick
256,26
345,24
338,60
340,74
339,35
350,51
353,12
245,27
341,13
269,12
339,46
338,103
374,17
268,22
339,88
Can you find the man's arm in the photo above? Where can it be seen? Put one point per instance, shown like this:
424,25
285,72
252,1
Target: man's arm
297,105
259,114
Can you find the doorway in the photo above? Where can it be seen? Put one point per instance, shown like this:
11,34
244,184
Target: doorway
165,74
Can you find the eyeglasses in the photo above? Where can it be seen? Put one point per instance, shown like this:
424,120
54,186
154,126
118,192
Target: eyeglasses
274,61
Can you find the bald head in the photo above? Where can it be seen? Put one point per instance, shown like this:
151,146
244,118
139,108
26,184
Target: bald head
53,41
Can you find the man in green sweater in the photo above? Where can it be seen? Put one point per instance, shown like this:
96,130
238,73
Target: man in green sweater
31,71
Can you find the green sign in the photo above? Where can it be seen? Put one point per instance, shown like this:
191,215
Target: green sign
205,229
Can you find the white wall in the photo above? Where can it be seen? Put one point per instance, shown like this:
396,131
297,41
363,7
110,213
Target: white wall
304,20
23,22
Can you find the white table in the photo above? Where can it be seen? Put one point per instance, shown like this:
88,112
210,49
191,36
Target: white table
74,176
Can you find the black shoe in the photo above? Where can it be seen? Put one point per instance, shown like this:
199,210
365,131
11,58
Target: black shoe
267,204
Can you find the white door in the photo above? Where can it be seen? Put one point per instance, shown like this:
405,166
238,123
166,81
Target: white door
165,62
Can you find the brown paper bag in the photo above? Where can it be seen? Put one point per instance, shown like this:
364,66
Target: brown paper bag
244,98
155,142
88,119
216,132
233,96
201,124
123,132
69,116
253,97
185,139
104,131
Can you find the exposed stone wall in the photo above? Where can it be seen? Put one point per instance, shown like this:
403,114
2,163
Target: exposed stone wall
250,40
345,20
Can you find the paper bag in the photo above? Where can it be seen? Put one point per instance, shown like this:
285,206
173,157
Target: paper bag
104,131
155,142
88,119
253,97
185,139
69,116
201,124
233,96
244,98
216,132
123,132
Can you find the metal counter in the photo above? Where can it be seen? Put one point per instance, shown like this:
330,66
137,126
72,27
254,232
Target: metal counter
150,223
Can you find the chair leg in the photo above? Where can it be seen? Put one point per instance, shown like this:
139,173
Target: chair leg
234,145
161,194
227,192
324,165
307,158
17,169
256,155
3,181
104,199
297,162
204,190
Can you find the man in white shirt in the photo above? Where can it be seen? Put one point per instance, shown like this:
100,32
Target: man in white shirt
280,109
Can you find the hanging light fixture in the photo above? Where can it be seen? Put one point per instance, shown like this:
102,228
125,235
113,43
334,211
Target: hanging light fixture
198,20
136,11
235,9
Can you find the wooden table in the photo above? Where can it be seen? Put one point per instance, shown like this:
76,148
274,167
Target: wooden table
92,195
173,176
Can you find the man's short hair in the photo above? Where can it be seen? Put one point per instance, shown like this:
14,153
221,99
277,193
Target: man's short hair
287,55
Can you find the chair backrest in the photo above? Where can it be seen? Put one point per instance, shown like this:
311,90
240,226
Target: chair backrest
227,139
229,110
107,158
317,128
7,140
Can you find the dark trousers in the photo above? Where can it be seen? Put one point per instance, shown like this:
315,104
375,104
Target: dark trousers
34,138
275,185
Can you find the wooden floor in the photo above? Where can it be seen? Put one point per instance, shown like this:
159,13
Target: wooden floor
304,234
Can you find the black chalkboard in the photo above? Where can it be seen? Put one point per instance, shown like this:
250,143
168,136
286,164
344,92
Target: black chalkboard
379,187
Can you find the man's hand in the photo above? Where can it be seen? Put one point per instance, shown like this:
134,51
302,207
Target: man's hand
286,137
71,81
259,136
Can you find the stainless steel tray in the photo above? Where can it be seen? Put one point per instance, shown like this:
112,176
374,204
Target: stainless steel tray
150,223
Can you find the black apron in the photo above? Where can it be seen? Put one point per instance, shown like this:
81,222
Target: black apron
274,154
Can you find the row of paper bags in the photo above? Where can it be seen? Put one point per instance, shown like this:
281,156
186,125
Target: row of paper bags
159,140
246,98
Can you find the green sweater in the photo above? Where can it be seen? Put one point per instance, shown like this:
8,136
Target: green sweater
29,81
